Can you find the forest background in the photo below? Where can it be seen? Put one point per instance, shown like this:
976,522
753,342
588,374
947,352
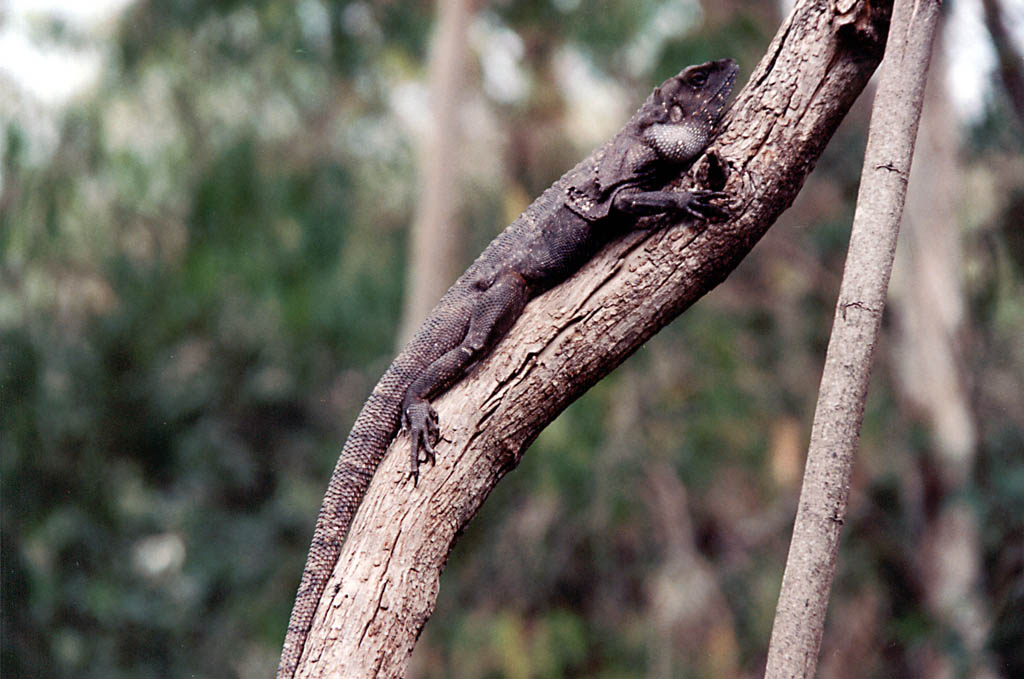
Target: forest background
204,260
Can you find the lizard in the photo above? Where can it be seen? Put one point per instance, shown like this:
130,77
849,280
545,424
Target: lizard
598,200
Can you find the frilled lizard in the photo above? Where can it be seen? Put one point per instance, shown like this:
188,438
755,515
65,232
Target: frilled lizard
596,201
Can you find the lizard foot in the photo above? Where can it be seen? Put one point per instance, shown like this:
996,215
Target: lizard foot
420,420
701,207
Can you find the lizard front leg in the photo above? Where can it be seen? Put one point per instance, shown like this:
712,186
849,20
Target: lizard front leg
494,311
696,204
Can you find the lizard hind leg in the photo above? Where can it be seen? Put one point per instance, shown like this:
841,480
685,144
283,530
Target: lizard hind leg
494,311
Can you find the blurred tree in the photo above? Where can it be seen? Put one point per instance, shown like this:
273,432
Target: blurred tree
929,313
435,235
1011,65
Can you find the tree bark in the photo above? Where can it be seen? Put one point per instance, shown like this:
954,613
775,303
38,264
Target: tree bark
800,615
386,581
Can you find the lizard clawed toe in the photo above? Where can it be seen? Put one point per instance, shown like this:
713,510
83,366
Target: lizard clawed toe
701,207
420,420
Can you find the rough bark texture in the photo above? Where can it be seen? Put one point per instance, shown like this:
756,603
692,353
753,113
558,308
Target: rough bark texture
386,581
835,434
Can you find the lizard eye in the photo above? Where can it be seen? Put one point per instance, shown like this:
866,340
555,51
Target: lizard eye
698,79
675,114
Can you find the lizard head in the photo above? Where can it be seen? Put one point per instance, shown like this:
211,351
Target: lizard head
678,118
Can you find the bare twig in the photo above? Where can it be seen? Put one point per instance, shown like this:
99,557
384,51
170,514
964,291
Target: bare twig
800,616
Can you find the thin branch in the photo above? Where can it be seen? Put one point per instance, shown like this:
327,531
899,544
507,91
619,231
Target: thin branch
800,615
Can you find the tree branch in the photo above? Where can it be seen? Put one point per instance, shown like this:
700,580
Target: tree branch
800,616
386,581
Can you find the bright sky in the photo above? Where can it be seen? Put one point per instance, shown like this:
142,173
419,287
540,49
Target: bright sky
53,73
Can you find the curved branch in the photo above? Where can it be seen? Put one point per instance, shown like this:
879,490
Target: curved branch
386,581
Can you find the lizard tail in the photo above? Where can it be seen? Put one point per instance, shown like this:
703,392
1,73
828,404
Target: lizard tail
365,447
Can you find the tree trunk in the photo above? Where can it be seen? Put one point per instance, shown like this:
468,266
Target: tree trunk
386,581
800,615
